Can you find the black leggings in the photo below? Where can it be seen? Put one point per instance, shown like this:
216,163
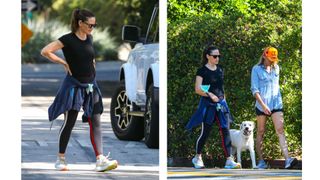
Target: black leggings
95,131
205,132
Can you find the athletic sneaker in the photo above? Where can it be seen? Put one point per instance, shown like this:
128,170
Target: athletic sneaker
104,164
261,165
290,162
197,162
230,164
61,164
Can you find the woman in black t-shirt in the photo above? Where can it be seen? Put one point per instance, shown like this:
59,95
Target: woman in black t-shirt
79,64
211,104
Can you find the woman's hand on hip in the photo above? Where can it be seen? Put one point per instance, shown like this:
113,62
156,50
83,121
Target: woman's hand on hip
67,68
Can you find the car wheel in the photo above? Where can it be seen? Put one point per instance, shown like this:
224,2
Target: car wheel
151,119
125,126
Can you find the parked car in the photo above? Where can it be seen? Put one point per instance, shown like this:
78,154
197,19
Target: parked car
135,103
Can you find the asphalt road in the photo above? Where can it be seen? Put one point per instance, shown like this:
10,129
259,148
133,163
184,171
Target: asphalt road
39,143
45,79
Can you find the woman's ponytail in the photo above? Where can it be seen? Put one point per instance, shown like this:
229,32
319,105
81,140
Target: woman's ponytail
77,15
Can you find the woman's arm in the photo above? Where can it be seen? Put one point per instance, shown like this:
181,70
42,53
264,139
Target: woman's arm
256,92
48,52
266,109
201,93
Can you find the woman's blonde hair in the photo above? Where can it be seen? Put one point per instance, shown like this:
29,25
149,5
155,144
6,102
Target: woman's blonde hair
263,58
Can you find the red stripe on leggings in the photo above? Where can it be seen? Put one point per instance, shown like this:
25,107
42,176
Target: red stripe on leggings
92,137
222,138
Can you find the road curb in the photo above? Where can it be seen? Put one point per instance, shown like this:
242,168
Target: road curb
210,163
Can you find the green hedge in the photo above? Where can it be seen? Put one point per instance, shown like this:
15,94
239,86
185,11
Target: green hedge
241,41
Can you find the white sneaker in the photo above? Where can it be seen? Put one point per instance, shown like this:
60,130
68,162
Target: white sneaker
290,162
104,164
61,164
197,162
230,164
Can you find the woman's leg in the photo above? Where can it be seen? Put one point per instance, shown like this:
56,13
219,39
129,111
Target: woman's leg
225,136
226,142
95,134
261,127
277,119
103,163
205,132
65,131
95,126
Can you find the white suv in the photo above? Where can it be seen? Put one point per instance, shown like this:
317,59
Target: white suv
135,104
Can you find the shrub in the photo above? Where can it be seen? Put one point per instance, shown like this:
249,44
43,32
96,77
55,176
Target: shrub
104,44
241,41
45,32
31,51
110,54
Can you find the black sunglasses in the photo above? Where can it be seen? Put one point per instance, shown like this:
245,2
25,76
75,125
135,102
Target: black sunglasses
90,25
215,56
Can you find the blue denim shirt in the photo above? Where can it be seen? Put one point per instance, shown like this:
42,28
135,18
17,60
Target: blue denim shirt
267,84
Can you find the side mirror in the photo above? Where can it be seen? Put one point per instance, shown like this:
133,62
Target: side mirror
130,33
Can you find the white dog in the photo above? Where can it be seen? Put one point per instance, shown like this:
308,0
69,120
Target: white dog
242,140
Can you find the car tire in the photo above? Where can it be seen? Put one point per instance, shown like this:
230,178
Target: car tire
151,119
125,127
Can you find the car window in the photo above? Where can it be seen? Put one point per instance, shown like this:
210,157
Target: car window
153,35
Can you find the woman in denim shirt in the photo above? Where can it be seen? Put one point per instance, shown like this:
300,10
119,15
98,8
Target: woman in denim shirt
265,88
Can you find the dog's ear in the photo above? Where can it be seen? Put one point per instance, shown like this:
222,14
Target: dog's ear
253,125
241,125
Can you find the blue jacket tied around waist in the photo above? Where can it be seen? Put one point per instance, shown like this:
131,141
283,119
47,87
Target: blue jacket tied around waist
206,112
73,95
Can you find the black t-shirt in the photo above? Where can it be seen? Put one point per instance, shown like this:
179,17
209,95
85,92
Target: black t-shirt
79,55
214,78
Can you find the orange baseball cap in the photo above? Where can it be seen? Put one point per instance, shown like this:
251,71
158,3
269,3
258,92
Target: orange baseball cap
271,53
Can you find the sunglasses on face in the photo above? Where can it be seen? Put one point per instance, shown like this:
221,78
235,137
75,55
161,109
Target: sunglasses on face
215,56
90,25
